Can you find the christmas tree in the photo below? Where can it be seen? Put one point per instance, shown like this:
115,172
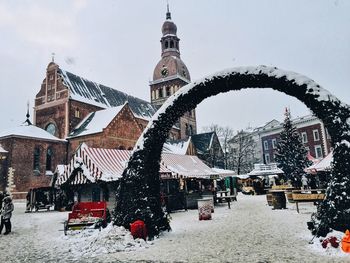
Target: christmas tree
291,154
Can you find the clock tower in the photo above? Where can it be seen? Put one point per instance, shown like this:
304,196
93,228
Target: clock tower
170,74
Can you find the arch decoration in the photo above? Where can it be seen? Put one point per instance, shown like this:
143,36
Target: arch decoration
138,195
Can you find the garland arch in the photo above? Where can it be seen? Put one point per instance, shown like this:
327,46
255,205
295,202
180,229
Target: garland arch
138,195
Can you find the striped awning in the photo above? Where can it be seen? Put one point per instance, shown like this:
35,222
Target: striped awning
187,166
89,165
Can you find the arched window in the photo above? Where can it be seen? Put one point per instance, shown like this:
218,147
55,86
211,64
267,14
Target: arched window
160,93
166,44
49,156
36,159
171,44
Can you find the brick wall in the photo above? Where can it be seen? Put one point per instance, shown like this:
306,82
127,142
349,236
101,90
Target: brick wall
121,133
21,159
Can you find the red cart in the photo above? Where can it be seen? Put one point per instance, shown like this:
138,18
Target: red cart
87,214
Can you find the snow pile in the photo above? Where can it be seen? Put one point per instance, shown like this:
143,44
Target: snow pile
329,250
92,242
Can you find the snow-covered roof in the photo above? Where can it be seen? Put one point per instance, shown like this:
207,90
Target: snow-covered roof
102,96
176,147
95,122
2,150
29,131
324,165
203,141
187,166
224,172
89,165
265,169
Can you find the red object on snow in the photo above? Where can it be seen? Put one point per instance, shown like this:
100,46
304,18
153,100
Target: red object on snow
138,229
332,240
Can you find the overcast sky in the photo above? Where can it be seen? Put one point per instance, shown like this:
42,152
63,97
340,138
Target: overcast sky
116,43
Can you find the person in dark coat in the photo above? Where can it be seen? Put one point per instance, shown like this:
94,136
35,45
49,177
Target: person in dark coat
6,215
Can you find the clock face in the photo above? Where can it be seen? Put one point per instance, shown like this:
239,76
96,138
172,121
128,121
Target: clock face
51,128
164,72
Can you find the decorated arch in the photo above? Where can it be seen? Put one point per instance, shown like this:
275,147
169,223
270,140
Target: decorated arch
139,190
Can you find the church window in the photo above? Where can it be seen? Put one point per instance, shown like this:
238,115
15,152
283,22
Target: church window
36,159
160,93
166,44
49,155
171,44
168,91
51,128
77,113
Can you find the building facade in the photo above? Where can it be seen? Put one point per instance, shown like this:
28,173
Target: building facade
312,131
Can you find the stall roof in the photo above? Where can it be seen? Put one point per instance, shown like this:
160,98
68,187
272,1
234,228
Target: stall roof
265,169
224,172
187,166
89,165
324,165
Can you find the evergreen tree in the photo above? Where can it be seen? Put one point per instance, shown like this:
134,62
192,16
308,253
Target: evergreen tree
291,154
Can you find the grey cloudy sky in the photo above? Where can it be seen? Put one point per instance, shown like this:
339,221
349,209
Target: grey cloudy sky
116,43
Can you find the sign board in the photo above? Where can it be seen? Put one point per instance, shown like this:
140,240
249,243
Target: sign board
308,197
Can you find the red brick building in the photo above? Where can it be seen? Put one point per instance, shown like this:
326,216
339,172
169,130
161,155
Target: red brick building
312,132
70,110
32,156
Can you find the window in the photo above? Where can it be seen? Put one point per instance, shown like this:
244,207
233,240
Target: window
316,135
166,44
51,128
160,93
77,113
49,155
267,158
51,77
266,145
274,143
167,91
304,137
171,44
36,159
318,151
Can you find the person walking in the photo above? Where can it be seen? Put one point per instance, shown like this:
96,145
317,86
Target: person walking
6,215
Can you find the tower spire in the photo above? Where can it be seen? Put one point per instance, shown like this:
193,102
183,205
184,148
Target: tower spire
168,14
27,115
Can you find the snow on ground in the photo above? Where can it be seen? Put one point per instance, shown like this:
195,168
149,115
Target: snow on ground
249,232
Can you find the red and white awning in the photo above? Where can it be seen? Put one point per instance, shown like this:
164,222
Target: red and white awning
89,165
324,165
187,166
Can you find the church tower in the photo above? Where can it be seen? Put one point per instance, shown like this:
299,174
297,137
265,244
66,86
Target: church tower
170,74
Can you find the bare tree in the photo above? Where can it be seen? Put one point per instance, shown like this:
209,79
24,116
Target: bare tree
242,152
